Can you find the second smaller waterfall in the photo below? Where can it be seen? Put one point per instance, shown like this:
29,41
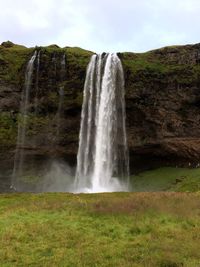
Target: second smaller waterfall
22,125
61,95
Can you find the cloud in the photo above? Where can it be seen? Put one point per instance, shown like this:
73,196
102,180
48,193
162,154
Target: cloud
101,25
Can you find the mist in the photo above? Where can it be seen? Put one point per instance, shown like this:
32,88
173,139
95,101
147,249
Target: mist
59,177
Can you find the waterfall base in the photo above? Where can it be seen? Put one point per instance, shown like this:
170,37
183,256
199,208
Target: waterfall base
114,185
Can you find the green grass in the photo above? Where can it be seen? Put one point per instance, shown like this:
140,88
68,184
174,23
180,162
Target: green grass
14,58
117,229
13,61
158,65
167,179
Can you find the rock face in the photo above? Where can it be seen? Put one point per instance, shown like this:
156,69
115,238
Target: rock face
162,105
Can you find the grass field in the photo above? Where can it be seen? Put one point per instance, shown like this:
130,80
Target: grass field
117,229
167,179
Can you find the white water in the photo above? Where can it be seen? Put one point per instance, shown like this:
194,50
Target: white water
37,84
102,161
61,96
22,125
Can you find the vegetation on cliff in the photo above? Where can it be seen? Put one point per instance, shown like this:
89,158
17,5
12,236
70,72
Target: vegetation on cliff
13,61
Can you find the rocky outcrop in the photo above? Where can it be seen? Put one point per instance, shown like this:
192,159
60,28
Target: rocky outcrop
163,106
162,103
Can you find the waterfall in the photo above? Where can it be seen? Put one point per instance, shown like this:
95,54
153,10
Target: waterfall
22,124
63,63
102,160
61,95
37,83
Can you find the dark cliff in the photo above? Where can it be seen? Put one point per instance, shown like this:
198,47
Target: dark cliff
162,105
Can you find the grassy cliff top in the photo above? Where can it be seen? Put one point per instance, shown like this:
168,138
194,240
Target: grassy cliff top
13,58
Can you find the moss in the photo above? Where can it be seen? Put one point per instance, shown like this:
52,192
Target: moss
78,51
8,129
73,99
34,123
77,57
53,99
156,61
50,49
14,58
54,46
9,44
169,65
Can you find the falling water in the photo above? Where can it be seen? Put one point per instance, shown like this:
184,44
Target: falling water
61,95
37,84
22,125
102,161
63,63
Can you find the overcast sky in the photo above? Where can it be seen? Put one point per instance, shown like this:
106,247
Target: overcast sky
101,25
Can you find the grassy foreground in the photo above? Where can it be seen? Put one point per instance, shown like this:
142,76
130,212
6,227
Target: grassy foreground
116,229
